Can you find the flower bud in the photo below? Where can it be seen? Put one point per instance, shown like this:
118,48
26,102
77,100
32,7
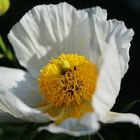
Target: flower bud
4,6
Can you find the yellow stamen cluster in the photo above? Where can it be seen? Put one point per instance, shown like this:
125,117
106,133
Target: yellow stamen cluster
67,83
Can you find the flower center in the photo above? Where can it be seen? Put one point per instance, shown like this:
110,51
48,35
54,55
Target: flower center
68,80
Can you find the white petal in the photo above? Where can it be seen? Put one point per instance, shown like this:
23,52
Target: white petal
113,117
49,30
11,104
115,34
109,35
21,84
95,53
86,125
108,82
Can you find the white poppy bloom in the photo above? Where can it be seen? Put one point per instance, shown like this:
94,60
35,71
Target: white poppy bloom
75,60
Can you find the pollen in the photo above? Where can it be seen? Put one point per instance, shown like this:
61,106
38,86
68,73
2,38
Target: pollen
68,82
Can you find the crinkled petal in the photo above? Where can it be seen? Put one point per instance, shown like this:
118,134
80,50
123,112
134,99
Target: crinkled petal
95,53
86,125
113,117
17,85
21,84
116,34
109,35
108,82
47,31
11,104
97,11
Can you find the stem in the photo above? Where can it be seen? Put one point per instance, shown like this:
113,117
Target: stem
100,136
89,137
1,55
6,51
3,46
130,105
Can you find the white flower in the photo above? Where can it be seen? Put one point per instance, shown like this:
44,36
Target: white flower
94,51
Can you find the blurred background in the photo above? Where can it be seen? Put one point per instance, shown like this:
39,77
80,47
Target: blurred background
129,97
